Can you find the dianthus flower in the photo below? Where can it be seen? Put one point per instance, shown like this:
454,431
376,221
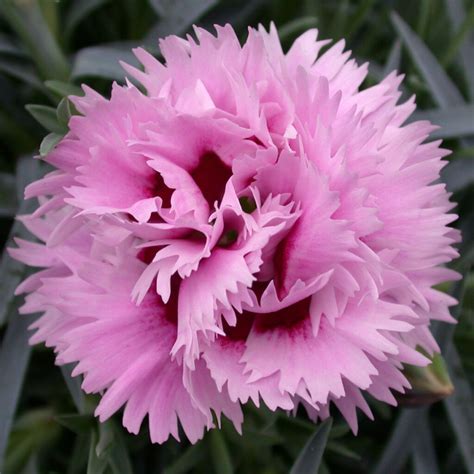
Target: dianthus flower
252,227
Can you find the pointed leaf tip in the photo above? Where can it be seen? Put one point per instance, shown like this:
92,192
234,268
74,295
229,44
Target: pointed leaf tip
310,457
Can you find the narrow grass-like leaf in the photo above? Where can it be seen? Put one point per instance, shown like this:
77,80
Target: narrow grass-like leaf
80,454
460,408
310,457
9,46
296,26
342,450
443,333
8,197
22,71
103,61
27,20
63,89
457,15
339,20
178,16
458,174
424,454
32,431
220,453
187,461
111,446
119,458
454,122
14,357
458,38
78,11
358,17
31,466
11,271
96,464
423,17
443,89
394,59
80,424
47,117
400,443
74,386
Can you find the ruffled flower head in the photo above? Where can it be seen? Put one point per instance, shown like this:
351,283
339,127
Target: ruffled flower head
253,227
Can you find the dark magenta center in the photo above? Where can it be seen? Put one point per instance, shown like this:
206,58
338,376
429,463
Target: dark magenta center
211,176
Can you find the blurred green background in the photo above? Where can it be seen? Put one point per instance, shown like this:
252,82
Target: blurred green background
47,49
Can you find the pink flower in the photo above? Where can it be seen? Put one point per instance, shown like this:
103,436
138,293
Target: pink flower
253,227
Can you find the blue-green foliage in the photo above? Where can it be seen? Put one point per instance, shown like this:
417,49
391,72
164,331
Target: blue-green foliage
47,48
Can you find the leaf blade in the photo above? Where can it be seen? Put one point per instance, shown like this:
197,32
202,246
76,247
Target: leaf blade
104,61
12,271
443,89
14,358
459,408
220,453
454,122
424,454
8,198
46,116
310,457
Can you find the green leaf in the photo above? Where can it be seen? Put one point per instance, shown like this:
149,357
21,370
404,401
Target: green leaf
14,356
64,89
27,20
80,424
78,11
339,430
457,15
464,29
424,454
9,46
74,386
104,61
80,454
112,447
8,198
22,71
444,91
32,431
394,59
399,445
460,408
95,464
64,111
423,17
358,17
342,450
187,460
458,174
455,122
31,466
220,453
49,142
310,457
47,117
12,271
178,15
299,25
